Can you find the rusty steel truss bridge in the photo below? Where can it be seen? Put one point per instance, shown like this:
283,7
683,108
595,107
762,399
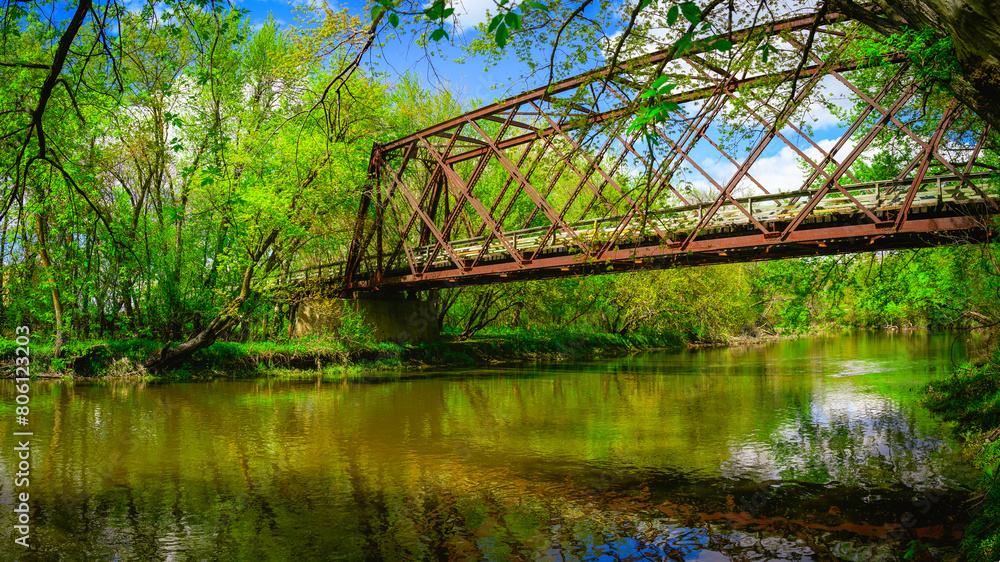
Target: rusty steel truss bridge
553,183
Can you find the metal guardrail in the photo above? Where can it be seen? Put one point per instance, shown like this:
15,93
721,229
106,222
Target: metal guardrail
877,196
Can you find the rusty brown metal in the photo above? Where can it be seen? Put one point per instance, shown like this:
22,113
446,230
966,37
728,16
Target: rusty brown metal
949,117
491,192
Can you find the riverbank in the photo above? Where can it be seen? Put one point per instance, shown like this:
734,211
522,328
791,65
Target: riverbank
123,359
971,399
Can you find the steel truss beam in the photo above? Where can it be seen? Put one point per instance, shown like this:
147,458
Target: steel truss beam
488,196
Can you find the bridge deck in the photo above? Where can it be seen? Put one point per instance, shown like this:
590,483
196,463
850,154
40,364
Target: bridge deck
942,207
879,197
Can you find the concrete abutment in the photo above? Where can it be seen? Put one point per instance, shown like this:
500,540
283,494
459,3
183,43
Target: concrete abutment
395,320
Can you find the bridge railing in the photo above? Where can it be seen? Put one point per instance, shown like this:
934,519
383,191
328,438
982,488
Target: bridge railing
326,272
877,196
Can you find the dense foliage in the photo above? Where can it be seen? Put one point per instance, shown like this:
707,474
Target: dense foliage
187,164
971,397
180,166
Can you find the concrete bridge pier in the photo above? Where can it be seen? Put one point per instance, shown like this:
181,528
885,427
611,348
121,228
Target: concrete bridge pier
393,319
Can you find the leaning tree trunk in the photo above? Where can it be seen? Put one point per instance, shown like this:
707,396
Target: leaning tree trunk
973,25
169,357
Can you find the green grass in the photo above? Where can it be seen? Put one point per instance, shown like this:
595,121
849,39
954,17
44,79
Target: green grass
518,344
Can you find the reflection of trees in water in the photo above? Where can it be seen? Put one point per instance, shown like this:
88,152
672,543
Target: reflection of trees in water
847,436
459,511
607,460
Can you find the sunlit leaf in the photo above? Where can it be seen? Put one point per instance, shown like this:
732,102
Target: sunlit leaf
722,45
512,20
672,15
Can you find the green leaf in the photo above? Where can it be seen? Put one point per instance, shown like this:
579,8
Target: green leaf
497,20
644,3
672,15
659,82
648,94
692,12
394,19
512,20
536,5
436,10
438,34
501,36
722,45
684,44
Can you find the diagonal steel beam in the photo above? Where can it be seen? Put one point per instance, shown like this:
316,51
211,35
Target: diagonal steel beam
472,200
847,162
947,119
527,187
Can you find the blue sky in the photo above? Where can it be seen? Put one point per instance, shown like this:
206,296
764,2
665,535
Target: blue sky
401,55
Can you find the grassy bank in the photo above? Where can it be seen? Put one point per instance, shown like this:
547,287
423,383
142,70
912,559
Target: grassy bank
123,359
971,399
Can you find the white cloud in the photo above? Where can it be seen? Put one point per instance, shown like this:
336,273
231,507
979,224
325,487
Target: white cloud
835,93
782,171
471,13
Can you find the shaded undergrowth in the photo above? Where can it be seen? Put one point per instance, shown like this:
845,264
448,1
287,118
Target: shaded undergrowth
971,398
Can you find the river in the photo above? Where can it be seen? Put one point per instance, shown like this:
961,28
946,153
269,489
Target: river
810,449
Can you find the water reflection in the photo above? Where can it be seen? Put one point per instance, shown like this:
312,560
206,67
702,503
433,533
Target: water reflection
732,453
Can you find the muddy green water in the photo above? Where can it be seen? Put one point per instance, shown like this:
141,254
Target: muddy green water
809,449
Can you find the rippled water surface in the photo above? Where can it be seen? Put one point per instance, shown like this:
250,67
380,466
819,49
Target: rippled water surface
813,449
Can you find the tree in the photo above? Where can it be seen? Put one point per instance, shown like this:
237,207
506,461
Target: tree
175,162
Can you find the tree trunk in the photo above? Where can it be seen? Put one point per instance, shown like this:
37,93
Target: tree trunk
973,25
226,319
57,309
3,270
